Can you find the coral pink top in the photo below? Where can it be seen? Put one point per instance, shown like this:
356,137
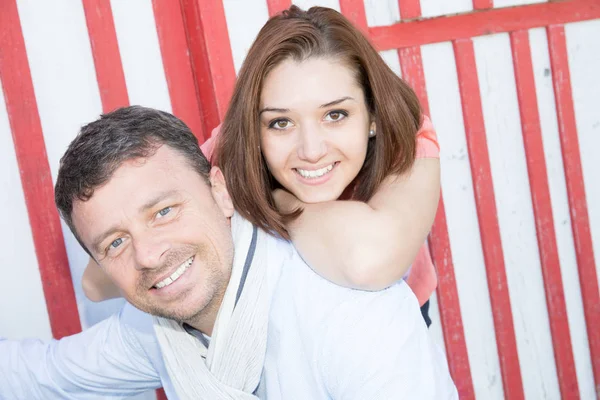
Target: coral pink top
422,278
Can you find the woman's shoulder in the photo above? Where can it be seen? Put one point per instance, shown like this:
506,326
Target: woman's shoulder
208,146
427,142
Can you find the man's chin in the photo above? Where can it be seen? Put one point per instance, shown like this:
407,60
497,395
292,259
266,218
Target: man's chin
181,312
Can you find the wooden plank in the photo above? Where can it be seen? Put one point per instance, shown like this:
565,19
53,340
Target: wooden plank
277,6
177,64
464,26
354,10
488,219
576,192
482,4
409,9
105,50
542,209
439,243
36,177
212,61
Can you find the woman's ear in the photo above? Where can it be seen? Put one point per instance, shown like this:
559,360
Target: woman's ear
220,192
372,129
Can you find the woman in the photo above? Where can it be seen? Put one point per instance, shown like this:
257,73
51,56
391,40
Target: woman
316,117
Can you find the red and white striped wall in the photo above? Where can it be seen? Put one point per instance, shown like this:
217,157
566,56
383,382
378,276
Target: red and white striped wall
512,86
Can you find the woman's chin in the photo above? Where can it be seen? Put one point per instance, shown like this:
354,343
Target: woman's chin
317,195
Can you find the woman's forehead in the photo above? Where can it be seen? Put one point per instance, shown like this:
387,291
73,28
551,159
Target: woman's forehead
317,81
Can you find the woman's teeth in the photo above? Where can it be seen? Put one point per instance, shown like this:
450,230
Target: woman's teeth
315,173
175,275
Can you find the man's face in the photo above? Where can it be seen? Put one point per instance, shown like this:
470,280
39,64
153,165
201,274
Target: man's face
161,232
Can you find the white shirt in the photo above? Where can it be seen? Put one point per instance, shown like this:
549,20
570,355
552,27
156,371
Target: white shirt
329,342
324,342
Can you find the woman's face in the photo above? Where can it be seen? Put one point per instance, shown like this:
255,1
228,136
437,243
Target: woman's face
314,127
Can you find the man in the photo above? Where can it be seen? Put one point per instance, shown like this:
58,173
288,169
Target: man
141,199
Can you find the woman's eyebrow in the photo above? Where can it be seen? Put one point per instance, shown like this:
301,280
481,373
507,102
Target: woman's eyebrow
329,104
272,109
338,101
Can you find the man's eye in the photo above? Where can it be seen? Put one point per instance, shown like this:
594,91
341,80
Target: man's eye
164,212
116,243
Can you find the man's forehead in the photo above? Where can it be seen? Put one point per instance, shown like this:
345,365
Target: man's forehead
138,184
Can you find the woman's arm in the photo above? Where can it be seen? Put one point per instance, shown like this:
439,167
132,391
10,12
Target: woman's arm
368,245
97,286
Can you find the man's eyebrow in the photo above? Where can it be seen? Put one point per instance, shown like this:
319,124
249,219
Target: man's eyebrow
100,238
157,199
329,104
146,206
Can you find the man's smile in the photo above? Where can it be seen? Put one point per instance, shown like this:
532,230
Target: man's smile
175,275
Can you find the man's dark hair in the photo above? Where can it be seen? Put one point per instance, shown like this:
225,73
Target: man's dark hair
118,136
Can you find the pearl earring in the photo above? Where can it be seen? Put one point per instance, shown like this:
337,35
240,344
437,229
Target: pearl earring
372,133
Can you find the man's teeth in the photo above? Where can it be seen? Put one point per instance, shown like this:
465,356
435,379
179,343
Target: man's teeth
175,275
315,173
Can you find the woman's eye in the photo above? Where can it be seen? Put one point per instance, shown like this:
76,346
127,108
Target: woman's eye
116,243
164,212
280,124
335,116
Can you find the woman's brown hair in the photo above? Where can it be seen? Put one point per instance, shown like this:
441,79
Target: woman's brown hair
300,35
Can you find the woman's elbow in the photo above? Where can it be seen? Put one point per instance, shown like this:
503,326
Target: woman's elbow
371,270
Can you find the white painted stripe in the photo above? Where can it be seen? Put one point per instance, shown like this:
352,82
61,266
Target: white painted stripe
382,12
463,227
511,3
560,210
244,21
22,288
64,78
140,53
392,60
515,214
583,48
306,4
434,8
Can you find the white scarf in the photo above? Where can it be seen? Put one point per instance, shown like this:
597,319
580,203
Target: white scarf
231,367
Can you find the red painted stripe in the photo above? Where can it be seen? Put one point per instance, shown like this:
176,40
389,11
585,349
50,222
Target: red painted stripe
440,29
36,178
542,209
211,56
411,65
160,395
449,306
439,244
354,10
409,9
482,4
277,6
488,219
177,63
576,192
105,50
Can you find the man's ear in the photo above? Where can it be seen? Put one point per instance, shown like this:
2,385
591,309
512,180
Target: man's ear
219,191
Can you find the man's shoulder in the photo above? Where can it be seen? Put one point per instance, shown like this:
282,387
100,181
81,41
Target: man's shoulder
136,320
359,309
138,326
318,300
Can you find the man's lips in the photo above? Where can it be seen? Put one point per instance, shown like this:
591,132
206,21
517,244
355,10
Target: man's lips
173,276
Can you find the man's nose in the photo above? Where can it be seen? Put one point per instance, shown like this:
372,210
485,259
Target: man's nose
150,248
312,146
